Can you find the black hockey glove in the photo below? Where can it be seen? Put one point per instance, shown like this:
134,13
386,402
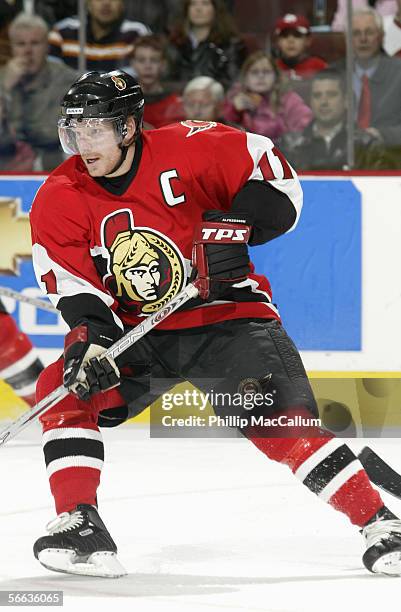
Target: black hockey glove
85,370
220,252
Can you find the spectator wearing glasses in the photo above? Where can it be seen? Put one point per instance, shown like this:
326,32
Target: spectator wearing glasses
293,39
376,82
259,103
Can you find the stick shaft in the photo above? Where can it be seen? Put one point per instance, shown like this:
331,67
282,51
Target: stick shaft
21,297
135,334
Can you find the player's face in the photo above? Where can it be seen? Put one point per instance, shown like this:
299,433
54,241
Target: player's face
260,76
201,105
201,13
367,37
30,46
327,102
98,147
106,11
148,64
97,140
145,279
292,44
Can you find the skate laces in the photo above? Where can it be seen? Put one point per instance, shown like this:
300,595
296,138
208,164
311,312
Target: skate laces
65,522
381,530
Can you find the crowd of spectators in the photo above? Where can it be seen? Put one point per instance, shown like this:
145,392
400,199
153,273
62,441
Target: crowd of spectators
194,61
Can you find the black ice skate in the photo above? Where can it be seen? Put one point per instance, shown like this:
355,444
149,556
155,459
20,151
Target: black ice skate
79,543
383,542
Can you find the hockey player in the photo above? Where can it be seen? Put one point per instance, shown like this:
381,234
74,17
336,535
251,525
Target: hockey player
20,365
113,230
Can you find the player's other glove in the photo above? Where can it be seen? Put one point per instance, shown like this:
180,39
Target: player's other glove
86,371
220,253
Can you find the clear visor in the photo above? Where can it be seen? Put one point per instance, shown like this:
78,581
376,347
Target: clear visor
86,136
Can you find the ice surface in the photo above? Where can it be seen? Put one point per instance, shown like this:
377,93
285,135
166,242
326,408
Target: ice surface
201,525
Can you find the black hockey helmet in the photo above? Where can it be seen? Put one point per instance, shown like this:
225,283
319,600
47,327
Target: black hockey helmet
99,98
104,95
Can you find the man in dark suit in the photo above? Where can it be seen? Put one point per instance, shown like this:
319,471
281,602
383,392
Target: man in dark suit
377,80
322,145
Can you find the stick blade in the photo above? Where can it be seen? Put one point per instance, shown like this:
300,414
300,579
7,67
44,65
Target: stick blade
380,473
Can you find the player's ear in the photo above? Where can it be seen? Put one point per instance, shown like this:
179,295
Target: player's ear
131,128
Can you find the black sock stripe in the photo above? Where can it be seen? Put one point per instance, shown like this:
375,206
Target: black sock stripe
65,447
26,377
328,468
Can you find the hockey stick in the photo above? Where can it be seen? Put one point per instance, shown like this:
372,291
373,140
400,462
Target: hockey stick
380,473
20,297
189,292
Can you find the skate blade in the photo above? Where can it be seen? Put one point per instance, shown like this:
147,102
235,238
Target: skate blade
389,564
99,564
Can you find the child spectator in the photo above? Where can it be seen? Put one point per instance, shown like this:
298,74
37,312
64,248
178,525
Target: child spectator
205,42
293,40
149,63
260,104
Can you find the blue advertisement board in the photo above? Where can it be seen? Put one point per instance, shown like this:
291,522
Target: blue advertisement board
315,271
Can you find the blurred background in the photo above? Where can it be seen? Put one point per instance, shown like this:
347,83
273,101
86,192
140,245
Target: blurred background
321,78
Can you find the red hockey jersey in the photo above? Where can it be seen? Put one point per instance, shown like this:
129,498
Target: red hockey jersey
133,251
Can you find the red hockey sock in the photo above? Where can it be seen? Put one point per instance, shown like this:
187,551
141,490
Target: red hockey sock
323,463
72,442
19,362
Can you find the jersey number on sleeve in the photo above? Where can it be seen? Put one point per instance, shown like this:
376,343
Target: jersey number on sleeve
273,166
49,279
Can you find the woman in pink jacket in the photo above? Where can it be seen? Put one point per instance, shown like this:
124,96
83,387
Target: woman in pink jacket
259,103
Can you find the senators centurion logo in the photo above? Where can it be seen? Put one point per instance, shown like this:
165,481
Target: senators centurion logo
119,83
145,268
196,126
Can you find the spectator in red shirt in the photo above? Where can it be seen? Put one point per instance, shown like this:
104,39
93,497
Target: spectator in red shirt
149,62
293,39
